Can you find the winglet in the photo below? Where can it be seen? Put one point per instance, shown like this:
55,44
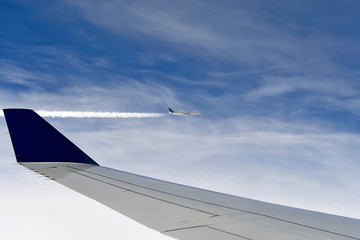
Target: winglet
35,140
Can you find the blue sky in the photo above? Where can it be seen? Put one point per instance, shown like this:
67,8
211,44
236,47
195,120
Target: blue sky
278,85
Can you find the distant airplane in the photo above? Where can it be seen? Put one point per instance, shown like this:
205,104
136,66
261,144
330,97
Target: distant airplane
183,113
179,211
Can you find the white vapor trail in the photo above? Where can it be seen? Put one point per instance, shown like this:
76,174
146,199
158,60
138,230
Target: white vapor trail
81,114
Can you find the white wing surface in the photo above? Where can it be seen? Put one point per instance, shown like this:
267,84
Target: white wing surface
178,211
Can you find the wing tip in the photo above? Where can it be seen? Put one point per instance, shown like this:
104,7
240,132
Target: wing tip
35,140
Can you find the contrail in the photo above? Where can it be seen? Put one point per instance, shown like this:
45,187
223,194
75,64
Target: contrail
81,114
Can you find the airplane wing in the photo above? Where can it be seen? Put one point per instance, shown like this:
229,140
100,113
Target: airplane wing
179,211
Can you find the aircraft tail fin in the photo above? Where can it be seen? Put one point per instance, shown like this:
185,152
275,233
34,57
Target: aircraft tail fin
35,140
170,110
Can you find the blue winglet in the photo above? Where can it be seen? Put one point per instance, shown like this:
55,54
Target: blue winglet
35,140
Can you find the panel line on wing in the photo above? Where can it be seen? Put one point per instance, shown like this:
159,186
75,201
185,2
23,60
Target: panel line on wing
236,235
200,201
200,226
184,228
143,194
206,226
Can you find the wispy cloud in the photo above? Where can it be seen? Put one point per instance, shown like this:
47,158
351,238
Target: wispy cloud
126,96
224,31
277,86
11,72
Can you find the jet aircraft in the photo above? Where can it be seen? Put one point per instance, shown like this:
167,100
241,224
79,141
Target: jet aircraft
183,113
179,211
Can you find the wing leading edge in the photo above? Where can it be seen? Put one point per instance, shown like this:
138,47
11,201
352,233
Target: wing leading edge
176,210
